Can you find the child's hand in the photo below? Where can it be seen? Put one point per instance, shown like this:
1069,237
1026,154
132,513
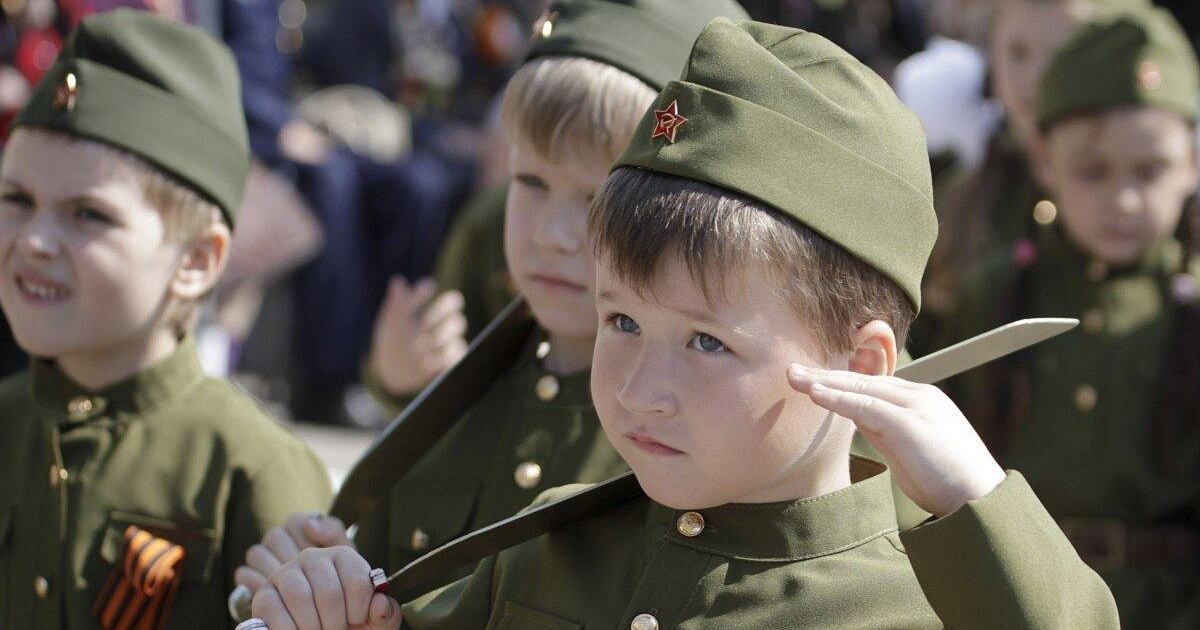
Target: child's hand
409,348
935,455
282,544
325,589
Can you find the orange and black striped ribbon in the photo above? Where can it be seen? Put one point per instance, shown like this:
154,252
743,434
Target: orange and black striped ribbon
139,593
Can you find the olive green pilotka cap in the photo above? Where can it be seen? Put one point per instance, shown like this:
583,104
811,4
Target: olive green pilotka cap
786,117
165,91
649,39
1131,58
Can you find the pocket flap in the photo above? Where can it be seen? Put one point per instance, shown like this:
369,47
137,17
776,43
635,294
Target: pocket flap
427,514
197,542
518,617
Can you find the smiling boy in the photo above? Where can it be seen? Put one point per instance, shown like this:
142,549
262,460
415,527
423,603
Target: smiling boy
118,190
759,250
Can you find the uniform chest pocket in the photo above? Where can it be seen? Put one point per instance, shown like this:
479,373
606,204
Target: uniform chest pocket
198,543
518,617
427,514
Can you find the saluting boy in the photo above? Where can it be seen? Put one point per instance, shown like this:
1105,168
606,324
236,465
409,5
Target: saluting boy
1105,422
131,485
759,249
568,111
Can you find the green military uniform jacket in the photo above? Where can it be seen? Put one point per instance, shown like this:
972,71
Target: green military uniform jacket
834,561
184,456
531,430
1082,433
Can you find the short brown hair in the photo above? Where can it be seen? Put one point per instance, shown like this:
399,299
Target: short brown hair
573,109
640,216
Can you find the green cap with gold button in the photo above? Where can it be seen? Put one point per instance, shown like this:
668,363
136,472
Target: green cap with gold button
1130,58
649,39
786,117
165,91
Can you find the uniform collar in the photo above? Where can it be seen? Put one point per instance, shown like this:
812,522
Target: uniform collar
570,390
791,530
66,401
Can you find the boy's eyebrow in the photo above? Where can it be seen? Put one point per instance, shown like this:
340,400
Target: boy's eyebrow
698,316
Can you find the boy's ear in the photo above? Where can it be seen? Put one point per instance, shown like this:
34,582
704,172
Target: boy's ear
1039,159
203,261
874,350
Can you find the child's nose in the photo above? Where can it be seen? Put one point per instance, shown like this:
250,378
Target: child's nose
561,229
38,239
646,389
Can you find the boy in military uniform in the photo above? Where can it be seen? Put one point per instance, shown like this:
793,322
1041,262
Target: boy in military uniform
118,190
569,110
1104,421
760,246
1000,202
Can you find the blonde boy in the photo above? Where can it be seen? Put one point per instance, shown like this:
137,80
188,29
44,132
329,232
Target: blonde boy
118,190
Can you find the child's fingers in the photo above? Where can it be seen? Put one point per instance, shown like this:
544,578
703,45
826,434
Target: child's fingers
269,607
354,574
297,596
327,591
261,559
419,296
890,389
385,613
280,543
250,578
326,531
447,330
869,413
442,307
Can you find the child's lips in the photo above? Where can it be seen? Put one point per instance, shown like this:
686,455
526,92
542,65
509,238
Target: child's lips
651,445
556,282
40,289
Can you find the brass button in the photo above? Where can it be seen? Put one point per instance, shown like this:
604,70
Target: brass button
644,621
543,350
41,587
1097,271
1093,321
420,540
528,475
690,524
1086,398
1045,212
79,407
58,475
546,388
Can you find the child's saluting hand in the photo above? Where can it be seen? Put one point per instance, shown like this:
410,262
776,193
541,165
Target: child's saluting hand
936,457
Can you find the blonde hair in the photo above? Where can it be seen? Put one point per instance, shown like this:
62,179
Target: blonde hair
640,217
573,109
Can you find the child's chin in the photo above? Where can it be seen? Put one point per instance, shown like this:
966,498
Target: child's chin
673,497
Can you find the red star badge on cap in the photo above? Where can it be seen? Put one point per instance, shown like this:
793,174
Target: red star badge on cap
669,122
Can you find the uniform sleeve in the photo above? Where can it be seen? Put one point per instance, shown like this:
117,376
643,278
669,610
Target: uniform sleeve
1002,562
466,603
292,480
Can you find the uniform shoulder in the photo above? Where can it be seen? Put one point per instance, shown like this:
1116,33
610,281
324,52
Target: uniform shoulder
232,416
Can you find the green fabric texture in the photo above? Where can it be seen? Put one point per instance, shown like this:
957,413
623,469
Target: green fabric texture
832,561
649,39
1132,58
189,458
165,91
788,118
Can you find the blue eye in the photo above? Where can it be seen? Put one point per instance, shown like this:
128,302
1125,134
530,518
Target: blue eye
625,323
708,343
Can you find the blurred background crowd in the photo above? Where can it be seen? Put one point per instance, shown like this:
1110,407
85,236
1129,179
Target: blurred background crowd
373,123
